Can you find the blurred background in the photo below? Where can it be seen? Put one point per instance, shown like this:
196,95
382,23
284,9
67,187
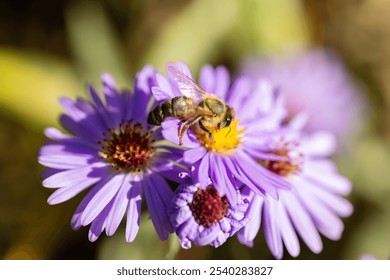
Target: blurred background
55,48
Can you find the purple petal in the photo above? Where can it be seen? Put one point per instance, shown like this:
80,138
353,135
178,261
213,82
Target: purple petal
80,130
67,155
180,216
89,121
238,92
224,182
215,81
320,144
144,81
100,107
56,134
119,206
67,192
187,232
133,211
158,195
287,230
99,224
302,222
332,201
170,131
102,198
194,155
332,181
222,82
74,177
207,235
76,219
206,78
203,171
272,231
113,99
249,232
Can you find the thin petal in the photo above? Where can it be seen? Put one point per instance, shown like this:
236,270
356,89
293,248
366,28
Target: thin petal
222,82
332,181
286,228
249,232
206,236
203,172
170,131
157,194
133,211
194,155
302,222
319,144
76,219
119,206
99,223
144,81
74,177
272,231
223,182
102,198
206,78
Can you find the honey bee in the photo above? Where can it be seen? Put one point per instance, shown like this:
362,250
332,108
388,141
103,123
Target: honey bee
196,108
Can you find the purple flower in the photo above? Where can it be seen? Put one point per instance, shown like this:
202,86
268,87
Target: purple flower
316,83
111,151
202,216
368,257
313,206
227,157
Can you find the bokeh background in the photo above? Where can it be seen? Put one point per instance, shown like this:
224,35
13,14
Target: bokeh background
54,48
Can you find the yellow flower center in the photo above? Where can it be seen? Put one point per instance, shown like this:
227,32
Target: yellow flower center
222,141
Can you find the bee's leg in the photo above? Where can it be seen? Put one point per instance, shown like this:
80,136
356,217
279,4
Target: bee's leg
210,135
186,125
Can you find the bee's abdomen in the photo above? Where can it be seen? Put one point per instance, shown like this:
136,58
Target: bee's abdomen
177,107
162,111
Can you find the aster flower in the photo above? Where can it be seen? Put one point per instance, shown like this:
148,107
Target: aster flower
316,83
314,205
226,157
110,150
368,257
200,215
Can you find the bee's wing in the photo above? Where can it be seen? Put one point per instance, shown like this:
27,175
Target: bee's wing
187,86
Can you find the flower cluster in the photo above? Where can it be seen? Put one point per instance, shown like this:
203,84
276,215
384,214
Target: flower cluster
240,163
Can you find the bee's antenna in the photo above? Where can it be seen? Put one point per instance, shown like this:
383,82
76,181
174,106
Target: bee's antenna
230,129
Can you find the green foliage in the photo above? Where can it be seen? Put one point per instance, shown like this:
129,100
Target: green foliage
146,246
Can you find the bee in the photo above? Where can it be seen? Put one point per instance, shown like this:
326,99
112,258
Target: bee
196,108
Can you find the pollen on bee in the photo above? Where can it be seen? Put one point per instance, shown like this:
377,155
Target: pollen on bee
224,140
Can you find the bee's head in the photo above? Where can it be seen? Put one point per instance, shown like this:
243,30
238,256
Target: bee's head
227,119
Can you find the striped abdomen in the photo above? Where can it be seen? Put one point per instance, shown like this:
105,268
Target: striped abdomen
179,107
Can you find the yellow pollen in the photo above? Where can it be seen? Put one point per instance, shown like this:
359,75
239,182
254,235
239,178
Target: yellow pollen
223,140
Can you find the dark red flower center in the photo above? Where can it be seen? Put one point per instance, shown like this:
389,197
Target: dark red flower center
208,207
128,147
282,167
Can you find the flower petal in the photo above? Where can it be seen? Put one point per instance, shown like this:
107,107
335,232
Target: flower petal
249,232
207,235
99,223
158,195
170,131
102,198
72,177
120,203
194,155
271,230
133,211
302,222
